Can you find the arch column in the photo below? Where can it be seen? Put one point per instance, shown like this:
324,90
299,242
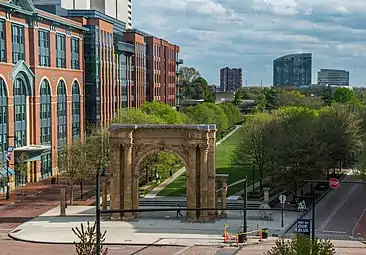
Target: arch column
191,183
203,181
116,183
128,190
211,170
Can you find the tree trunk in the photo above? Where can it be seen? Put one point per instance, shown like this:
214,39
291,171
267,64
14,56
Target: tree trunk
81,190
71,193
23,177
261,183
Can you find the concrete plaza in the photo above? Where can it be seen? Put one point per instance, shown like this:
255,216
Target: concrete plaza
159,228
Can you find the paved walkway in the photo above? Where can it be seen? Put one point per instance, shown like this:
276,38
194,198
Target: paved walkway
153,193
50,228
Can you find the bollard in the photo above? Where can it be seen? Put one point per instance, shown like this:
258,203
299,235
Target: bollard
63,202
260,235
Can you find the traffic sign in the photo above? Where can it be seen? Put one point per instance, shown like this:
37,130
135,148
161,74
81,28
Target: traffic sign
282,198
303,227
334,183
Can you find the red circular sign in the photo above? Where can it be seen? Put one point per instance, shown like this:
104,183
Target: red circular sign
334,183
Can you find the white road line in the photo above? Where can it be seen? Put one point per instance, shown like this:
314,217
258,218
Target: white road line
182,250
358,221
334,232
330,217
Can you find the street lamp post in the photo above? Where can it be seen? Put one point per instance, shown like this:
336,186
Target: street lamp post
8,158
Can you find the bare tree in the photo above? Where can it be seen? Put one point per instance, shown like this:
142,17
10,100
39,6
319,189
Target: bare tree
87,240
22,168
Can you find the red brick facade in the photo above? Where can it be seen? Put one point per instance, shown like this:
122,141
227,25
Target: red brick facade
52,74
162,76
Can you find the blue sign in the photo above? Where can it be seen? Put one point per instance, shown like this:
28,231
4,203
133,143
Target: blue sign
10,149
303,227
9,152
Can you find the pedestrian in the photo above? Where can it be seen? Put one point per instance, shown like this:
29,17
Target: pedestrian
178,211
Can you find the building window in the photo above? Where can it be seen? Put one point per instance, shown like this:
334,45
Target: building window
3,120
18,43
20,101
75,110
44,48
75,51
61,115
46,135
60,51
2,42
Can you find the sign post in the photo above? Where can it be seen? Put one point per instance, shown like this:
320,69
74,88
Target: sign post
334,183
303,226
8,159
282,199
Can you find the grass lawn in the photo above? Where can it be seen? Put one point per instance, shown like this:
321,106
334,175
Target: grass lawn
223,166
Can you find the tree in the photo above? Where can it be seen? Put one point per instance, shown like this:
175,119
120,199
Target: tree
343,133
22,168
302,245
297,148
253,149
76,165
361,166
136,116
343,96
87,240
272,99
221,119
164,112
189,74
327,94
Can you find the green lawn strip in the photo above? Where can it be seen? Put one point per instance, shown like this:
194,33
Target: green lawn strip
223,166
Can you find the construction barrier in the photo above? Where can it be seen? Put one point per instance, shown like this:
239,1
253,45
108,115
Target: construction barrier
237,238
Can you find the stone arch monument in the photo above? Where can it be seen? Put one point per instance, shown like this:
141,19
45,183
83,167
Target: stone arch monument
195,145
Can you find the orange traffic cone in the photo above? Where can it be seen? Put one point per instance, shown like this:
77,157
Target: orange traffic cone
260,235
226,238
237,239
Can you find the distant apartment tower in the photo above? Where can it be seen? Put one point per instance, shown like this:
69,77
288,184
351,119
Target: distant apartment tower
231,79
333,77
161,70
292,70
118,9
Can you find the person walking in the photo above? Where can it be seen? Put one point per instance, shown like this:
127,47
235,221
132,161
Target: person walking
178,211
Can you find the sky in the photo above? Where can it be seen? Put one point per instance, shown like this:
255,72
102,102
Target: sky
251,33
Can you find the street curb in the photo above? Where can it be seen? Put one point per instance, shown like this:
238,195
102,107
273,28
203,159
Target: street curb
308,209
110,244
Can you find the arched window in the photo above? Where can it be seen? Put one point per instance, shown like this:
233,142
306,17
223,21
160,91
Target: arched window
46,130
20,112
61,115
76,110
3,120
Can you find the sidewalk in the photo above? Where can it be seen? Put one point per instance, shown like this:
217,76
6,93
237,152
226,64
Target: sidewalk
152,230
38,198
153,193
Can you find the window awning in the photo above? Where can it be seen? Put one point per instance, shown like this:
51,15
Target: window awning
3,173
34,152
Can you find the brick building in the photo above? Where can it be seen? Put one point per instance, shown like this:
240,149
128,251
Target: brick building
41,87
161,67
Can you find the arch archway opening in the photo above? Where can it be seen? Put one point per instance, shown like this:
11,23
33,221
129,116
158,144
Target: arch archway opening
158,166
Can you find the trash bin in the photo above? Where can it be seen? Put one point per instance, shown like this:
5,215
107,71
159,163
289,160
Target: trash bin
264,233
53,180
242,238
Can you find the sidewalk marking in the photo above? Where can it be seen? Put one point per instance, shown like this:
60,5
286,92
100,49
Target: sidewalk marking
182,250
335,232
330,217
358,222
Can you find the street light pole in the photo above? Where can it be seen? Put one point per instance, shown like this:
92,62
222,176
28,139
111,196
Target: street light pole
245,227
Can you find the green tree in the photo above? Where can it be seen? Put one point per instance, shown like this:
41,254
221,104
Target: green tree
164,112
327,94
297,148
272,98
22,168
189,74
261,103
232,112
221,119
254,146
361,166
302,245
344,96
136,116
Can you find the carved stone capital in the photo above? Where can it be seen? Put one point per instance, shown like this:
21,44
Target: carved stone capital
115,145
127,146
204,147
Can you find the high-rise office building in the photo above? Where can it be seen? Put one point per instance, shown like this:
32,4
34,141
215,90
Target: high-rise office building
41,88
231,79
292,70
333,77
161,70
118,9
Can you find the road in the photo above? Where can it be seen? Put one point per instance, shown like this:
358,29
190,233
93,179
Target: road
339,213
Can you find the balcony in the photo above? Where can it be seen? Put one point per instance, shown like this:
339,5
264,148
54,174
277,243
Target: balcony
179,72
180,61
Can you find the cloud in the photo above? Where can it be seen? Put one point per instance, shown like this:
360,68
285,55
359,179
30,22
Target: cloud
251,33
